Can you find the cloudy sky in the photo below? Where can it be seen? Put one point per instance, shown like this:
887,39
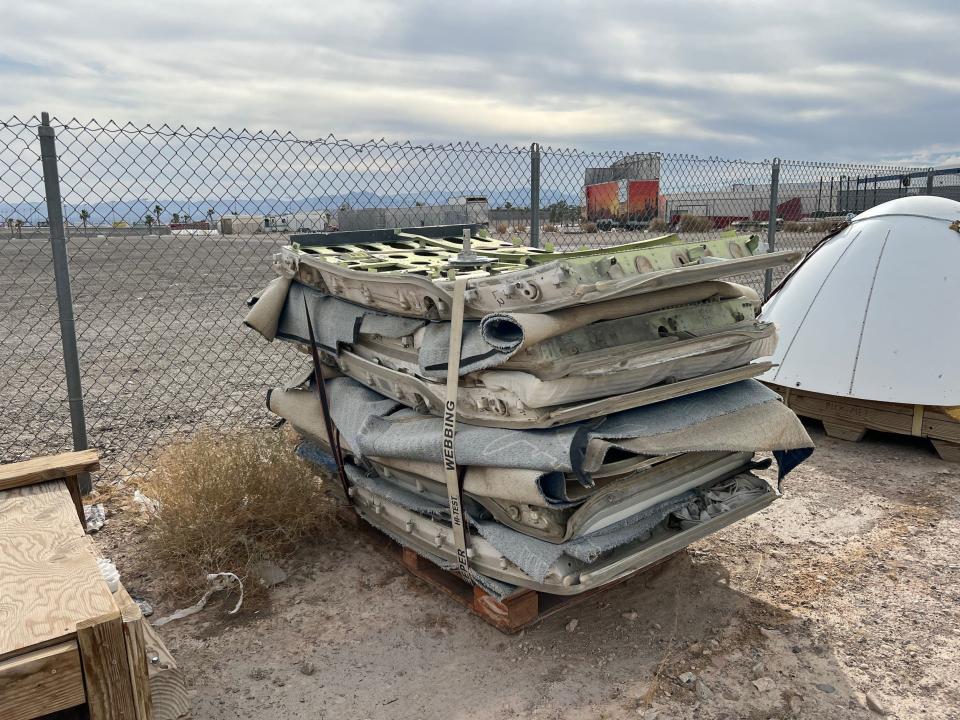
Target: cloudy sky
872,80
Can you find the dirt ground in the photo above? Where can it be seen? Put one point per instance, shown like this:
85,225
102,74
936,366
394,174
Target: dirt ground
839,601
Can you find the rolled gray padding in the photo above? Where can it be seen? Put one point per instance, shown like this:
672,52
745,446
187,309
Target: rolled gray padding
533,556
336,322
512,332
517,485
374,426
765,427
264,316
475,353
300,408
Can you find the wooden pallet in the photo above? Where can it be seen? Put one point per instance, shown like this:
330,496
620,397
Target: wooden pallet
66,641
517,611
849,419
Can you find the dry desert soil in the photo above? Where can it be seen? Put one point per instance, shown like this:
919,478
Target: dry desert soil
839,601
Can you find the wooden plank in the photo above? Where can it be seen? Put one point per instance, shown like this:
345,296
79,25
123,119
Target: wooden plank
73,485
106,675
855,414
940,426
849,418
168,687
49,579
947,450
844,432
514,612
133,637
41,682
48,467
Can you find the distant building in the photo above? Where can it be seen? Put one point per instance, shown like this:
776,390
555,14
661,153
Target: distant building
241,224
462,210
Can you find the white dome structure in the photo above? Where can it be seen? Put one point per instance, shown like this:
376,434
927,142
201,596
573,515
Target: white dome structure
871,313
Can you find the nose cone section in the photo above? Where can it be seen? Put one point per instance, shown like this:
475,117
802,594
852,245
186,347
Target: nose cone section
870,313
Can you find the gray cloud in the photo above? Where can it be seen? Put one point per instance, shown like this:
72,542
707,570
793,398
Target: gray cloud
861,80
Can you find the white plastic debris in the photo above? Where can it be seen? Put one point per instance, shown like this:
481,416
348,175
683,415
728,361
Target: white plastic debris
110,573
95,517
215,582
146,503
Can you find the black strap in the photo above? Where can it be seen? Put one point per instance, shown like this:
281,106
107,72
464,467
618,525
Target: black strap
333,434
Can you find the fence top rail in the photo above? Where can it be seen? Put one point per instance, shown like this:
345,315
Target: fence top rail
182,132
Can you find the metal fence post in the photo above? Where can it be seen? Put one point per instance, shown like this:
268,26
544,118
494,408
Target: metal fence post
534,195
930,181
772,224
61,270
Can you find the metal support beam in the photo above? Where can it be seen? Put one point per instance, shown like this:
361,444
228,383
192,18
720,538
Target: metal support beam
61,270
534,195
772,223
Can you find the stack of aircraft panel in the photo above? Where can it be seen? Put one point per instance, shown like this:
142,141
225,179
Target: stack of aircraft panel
607,414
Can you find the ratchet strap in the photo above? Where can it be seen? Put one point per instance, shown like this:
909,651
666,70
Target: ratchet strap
453,478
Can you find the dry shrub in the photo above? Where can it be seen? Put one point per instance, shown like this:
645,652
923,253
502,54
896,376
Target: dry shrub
658,225
519,227
588,227
228,502
822,226
502,228
695,223
795,226
550,227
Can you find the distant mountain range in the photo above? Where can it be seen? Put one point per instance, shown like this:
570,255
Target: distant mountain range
133,210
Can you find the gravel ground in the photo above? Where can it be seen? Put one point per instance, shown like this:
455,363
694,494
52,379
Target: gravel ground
162,348
838,601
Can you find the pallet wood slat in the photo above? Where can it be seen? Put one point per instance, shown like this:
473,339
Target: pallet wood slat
41,682
850,418
48,467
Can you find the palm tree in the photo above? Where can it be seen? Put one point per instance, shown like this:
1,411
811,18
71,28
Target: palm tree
9,224
20,229
84,216
156,211
148,219
210,217
175,218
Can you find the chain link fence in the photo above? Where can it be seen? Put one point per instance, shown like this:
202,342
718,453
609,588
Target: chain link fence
169,231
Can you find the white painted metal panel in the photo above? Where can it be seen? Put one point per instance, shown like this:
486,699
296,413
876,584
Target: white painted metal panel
873,313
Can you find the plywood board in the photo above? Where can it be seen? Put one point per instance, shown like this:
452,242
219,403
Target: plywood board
49,579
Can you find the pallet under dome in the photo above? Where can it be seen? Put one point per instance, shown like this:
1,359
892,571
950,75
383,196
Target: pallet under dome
850,418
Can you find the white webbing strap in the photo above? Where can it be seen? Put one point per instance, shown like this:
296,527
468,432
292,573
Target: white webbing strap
450,425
